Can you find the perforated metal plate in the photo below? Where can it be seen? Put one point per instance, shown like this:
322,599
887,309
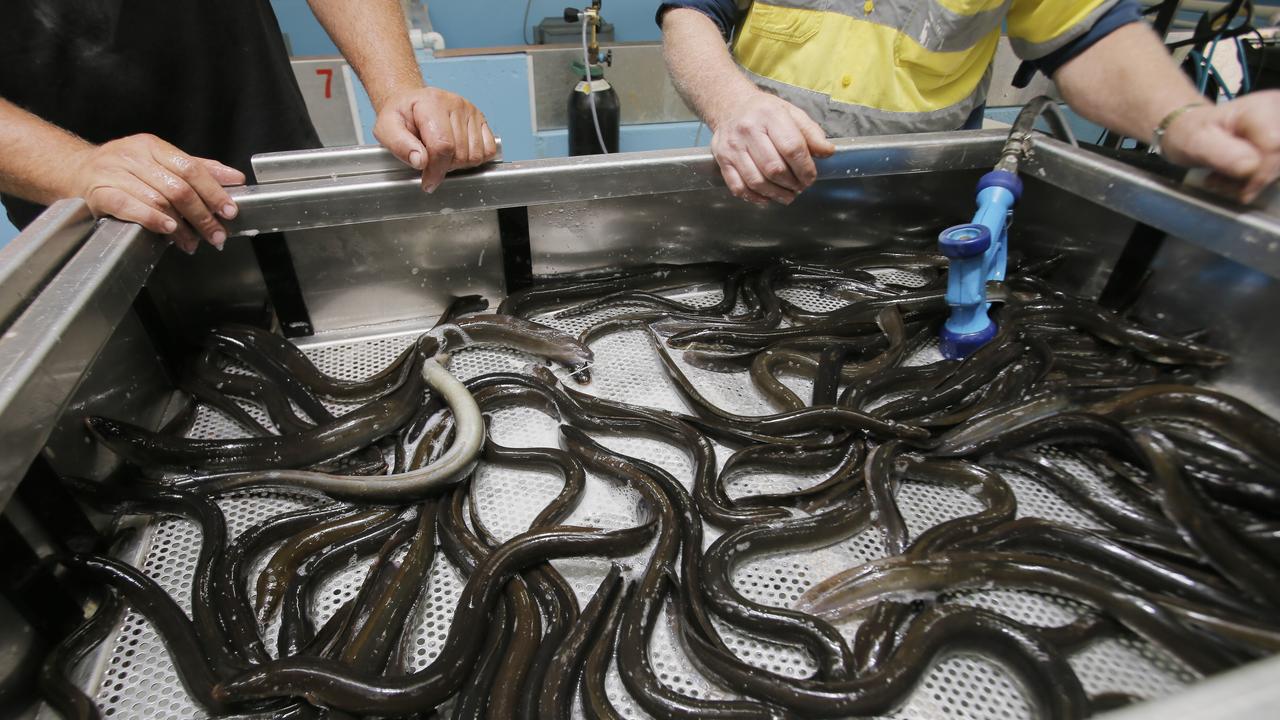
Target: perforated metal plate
139,681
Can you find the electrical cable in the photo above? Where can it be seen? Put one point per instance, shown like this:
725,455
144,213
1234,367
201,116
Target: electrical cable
1206,64
1244,67
591,96
524,30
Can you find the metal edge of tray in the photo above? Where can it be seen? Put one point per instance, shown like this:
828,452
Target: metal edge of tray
46,352
1249,691
333,162
1248,235
345,200
30,259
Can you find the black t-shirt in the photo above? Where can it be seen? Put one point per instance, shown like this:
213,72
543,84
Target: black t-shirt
210,76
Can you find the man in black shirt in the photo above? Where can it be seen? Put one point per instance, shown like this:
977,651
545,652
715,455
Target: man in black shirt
147,108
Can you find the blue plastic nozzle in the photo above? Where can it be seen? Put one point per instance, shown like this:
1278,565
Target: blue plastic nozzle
978,252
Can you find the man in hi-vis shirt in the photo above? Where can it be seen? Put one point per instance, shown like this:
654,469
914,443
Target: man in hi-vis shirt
800,71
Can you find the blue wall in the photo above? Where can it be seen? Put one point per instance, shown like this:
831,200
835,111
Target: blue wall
469,23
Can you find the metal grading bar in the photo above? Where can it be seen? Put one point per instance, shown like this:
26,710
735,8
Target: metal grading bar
345,200
333,163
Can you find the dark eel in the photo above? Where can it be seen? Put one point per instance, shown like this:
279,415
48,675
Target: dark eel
797,421
212,396
464,549
657,481
638,618
847,592
285,359
833,525
550,295
252,388
595,701
848,320
1040,536
286,560
1051,686
389,611
250,355
515,333
865,392
554,594
846,452
555,695
881,474
56,685
1198,524
175,629
575,478
831,363
1116,330
1236,420
296,629
661,303
136,497
529,595
985,486
1068,428
1123,516
334,684
598,415
328,441
973,372
876,636
233,601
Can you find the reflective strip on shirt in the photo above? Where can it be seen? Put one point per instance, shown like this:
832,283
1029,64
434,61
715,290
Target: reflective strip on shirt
873,66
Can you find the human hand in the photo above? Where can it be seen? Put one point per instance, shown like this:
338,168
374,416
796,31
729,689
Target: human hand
1239,141
434,131
143,179
765,148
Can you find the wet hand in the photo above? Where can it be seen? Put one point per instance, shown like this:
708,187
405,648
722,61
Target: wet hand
765,148
434,131
1239,141
143,179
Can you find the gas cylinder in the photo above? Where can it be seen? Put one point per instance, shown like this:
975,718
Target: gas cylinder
582,129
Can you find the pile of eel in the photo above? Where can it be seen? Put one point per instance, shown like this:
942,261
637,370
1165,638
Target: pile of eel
1182,550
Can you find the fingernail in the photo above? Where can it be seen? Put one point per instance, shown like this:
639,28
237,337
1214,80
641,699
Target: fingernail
189,249
219,239
415,160
169,225
229,211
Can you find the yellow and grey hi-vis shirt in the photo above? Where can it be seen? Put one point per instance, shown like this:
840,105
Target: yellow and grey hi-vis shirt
873,67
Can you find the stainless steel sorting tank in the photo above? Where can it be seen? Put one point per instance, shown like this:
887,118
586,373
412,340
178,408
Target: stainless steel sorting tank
95,313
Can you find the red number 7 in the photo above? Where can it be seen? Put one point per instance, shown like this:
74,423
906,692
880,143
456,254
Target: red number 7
328,80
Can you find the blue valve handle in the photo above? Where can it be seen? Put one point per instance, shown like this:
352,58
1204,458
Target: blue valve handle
978,252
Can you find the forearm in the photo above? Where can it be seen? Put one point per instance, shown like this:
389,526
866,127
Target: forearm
700,65
1126,82
36,157
373,37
